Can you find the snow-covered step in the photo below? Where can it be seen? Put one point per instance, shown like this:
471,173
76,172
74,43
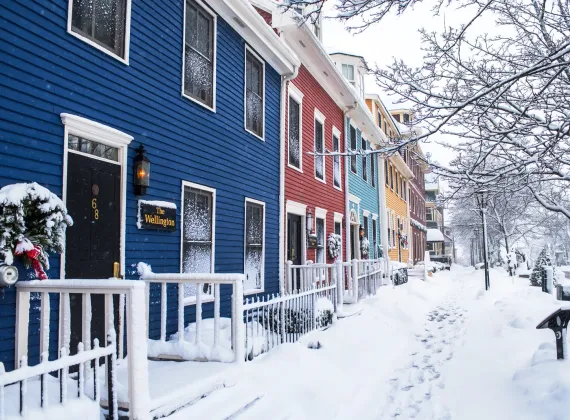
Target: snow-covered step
224,404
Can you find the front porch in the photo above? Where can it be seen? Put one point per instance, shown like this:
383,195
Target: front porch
151,378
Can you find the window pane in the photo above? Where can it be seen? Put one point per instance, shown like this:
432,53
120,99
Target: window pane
254,246
319,148
373,169
353,148
197,215
82,16
336,148
254,94
320,240
294,144
103,21
204,30
91,147
364,161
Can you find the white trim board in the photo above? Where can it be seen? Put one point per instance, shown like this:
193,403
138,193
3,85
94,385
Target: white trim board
262,204
257,57
191,300
338,217
127,40
320,213
296,208
354,198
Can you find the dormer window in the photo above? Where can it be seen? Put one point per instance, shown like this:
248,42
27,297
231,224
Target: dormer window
348,73
406,118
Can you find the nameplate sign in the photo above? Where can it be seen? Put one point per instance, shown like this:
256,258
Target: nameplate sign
158,215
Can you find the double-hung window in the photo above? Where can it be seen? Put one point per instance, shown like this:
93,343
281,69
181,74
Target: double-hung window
365,226
254,245
391,178
197,235
294,133
102,23
387,180
353,149
364,160
254,93
321,241
199,58
397,183
348,73
336,160
380,119
319,148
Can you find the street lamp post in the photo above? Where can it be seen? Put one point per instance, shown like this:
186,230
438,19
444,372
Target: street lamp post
482,202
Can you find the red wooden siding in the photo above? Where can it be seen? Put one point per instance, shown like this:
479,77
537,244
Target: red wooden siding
303,187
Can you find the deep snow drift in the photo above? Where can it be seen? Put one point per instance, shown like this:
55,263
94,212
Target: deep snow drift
441,349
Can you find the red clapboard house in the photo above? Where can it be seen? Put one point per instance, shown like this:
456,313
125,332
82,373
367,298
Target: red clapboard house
316,99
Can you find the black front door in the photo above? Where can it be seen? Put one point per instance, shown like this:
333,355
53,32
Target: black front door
93,242
294,239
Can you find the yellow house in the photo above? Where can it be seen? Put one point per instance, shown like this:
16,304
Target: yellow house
396,175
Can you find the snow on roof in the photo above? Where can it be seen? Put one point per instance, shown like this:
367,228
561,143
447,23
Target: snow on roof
431,186
434,235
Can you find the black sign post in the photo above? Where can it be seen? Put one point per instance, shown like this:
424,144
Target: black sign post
155,215
557,322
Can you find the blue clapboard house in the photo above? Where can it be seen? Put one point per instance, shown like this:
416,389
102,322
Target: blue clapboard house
193,90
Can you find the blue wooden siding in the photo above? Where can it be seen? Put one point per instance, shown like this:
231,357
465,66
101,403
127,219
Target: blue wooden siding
45,72
362,189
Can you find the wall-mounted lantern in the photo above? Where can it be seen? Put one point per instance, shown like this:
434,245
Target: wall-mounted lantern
361,232
141,172
309,221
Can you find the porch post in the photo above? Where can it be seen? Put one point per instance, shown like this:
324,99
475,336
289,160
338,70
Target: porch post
22,324
355,280
339,287
238,337
139,396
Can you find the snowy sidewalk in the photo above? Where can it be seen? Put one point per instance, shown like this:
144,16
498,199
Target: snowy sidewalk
441,349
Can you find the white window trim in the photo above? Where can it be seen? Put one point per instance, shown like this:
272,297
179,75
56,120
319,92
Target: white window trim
214,16
101,133
320,213
338,217
324,219
297,96
191,300
320,117
354,199
374,216
262,204
336,133
124,60
258,57
365,213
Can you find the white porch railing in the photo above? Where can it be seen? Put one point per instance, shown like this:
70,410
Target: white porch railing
362,278
308,301
132,291
197,349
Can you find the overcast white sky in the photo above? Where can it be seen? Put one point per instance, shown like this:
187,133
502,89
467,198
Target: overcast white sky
396,36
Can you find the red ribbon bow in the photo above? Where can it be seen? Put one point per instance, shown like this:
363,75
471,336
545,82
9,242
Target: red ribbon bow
33,254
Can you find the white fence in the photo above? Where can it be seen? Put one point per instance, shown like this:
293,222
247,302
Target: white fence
130,291
199,348
362,278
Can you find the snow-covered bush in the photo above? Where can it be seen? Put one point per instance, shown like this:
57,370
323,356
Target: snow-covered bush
33,221
324,312
334,243
364,247
297,319
538,276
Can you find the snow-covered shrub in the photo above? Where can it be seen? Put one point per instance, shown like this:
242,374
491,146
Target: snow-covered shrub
538,276
334,243
364,247
296,320
324,312
33,221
